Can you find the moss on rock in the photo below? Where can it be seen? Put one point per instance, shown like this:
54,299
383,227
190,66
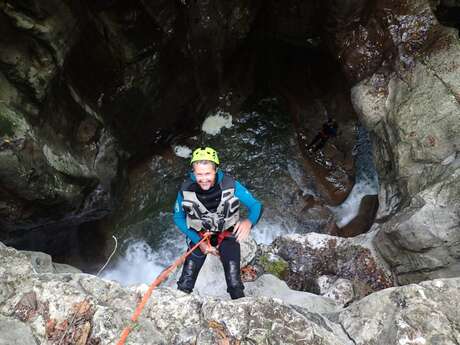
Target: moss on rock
274,265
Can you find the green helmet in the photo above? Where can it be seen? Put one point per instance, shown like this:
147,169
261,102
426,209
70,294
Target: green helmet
205,154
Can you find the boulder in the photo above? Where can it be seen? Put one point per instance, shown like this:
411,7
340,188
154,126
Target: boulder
43,263
426,313
270,286
313,255
41,308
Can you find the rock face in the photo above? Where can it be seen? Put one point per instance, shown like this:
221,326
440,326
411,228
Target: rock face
422,241
411,104
83,87
57,162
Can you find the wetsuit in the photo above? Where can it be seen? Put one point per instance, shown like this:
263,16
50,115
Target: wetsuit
329,130
229,248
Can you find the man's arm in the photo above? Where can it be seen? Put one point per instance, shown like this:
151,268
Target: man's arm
180,220
247,199
242,228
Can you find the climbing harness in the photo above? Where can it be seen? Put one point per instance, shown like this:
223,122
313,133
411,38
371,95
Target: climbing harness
158,280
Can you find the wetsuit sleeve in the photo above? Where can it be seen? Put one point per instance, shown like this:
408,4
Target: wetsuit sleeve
180,220
247,199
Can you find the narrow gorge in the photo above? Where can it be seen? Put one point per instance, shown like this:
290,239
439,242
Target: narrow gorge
101,103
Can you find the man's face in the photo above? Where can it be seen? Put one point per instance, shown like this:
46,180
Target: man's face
205,175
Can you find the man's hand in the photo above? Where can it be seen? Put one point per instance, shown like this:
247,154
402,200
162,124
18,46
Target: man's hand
208,250
242,229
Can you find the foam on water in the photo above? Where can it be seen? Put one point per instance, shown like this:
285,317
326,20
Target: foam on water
214,123
182,151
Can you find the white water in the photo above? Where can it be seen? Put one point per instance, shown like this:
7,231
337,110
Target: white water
366,180
141,263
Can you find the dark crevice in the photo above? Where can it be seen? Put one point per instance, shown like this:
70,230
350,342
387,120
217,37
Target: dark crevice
347,334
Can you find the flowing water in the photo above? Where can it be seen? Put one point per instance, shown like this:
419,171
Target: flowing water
367,182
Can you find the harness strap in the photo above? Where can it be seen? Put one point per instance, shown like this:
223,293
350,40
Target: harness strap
220,237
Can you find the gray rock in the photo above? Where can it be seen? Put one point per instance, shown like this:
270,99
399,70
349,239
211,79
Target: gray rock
414,117
211,280
339,290
393,316
423,240
270,286
42,263
266,321
64,268
14,332
415,314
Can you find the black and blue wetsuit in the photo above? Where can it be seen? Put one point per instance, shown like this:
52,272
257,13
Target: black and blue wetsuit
229,249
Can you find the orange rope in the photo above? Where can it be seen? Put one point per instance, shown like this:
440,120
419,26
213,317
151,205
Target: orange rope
158,280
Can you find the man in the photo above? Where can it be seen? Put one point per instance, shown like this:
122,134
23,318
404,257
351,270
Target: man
328,130
209,201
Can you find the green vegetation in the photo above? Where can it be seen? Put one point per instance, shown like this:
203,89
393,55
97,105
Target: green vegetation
276,266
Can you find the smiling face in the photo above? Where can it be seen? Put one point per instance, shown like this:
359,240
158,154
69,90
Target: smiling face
205,174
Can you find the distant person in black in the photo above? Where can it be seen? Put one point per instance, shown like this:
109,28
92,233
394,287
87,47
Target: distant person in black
329,130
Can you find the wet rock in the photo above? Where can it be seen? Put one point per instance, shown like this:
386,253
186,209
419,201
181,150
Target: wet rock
68,134
311,99
389,104
45,177
314,255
